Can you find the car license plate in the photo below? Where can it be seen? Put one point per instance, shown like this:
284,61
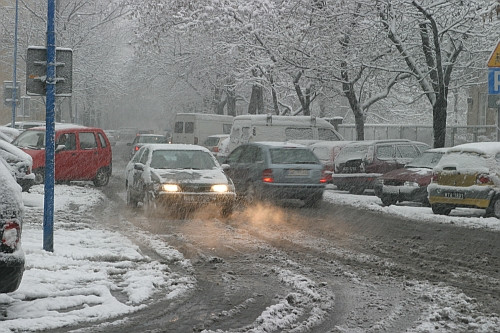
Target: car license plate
188,198
454,195
298,172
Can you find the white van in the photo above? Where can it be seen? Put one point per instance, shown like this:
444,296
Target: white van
195,128
252,128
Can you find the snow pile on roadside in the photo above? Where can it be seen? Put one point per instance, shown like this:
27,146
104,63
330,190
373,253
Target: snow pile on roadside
93,274
470,218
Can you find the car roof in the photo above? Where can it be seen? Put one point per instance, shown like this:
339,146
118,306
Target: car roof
149,134
62,126
371,142
330,144
278,144
488,148
174,146
437,150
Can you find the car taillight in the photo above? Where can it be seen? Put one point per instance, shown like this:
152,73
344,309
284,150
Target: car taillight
483,179
434,178
136,148
267,176
215,149
325,176
10,235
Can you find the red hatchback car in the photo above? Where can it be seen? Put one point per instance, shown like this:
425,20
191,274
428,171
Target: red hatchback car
82,153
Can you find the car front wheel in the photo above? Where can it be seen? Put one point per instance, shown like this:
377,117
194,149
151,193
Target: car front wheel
440,209
388,200
39,176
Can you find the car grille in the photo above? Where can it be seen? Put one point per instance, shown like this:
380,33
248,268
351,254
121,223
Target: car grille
196,188
393,182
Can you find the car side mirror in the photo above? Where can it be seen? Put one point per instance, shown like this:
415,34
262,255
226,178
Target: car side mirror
139,166
225,166
60,147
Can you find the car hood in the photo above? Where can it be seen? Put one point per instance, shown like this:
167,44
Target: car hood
191,176
408,174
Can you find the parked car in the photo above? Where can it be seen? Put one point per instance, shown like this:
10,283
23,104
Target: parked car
112,136
8,133
177,176
409,183
276,170
19,163
126,134
24,125
142,139
82,153
326,151
213,142
11,219
360,163
468,175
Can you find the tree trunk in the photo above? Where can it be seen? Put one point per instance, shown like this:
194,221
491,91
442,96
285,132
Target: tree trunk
274,96
439,121
256,105
231,102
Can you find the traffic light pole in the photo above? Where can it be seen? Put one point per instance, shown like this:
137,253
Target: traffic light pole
48,211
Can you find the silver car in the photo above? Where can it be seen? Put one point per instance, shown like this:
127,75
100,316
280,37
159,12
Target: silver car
275,171
179,177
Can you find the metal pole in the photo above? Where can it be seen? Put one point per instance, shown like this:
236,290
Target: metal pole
14,79
48,208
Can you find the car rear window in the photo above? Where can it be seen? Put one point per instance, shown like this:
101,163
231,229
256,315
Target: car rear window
292,156
151,139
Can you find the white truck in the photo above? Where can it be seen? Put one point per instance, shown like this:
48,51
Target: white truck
252,128
195,128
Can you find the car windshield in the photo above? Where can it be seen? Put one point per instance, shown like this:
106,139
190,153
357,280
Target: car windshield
292,156
212,141
354,151
30,139
182,159
426,160
151,139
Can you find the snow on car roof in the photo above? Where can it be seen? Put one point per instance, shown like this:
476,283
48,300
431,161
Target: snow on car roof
15,151
487,148
281,144
175,146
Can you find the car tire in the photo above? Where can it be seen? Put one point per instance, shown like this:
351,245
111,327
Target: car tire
313,201
494,209
440,209
39,176
252,195
227,210
150,206
131,202
357,190
388,200
101,177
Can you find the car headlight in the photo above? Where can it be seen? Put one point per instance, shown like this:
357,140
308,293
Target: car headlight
170,188
411,184
220,188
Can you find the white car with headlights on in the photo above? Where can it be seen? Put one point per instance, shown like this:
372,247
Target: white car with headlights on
177,177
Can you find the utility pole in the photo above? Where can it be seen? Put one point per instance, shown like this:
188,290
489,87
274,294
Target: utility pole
14,79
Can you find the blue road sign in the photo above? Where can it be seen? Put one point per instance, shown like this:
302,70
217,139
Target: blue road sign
494,81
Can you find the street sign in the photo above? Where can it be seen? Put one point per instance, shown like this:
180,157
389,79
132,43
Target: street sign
495,57
8,87
494,101
36,71
494,81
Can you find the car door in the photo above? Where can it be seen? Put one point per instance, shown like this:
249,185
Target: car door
67,163
235,170
87,159
405,153
137,182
